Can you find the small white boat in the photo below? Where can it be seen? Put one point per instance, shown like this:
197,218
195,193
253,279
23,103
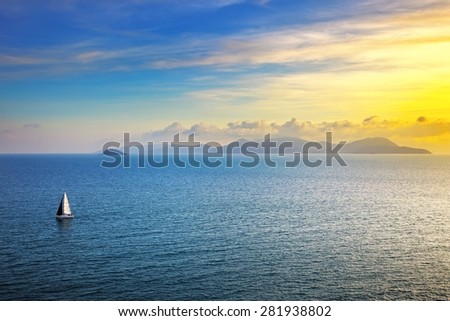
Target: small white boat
64,208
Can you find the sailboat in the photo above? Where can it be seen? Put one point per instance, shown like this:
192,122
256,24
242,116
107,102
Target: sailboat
64,208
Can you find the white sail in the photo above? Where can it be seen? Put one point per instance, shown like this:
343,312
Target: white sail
66,206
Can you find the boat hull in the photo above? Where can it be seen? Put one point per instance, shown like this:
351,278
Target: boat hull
61,217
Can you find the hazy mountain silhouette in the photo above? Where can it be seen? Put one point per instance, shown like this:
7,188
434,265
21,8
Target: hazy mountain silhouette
379,145
297,144
376,145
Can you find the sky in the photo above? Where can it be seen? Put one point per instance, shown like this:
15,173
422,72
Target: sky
75,74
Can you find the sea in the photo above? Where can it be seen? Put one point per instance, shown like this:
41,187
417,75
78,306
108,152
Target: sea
377,229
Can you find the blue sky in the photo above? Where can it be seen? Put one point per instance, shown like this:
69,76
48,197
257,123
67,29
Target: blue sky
82,72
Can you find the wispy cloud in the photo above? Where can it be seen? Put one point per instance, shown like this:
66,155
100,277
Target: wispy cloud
32,125
21,60
365,40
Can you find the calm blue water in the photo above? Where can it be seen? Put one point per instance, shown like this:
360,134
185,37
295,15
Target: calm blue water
377,229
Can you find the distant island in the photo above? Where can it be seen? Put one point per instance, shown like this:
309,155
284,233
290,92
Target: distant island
375,145
379,145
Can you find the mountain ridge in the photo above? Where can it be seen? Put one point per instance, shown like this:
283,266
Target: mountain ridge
370,145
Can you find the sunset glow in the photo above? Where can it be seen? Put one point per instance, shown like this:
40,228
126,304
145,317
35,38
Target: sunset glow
75,74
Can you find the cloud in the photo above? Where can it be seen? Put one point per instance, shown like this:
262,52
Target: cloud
206,4
166,132
372,39
32,125
93,55
362,40
432,134
21,60
370,120
421,119
344,129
